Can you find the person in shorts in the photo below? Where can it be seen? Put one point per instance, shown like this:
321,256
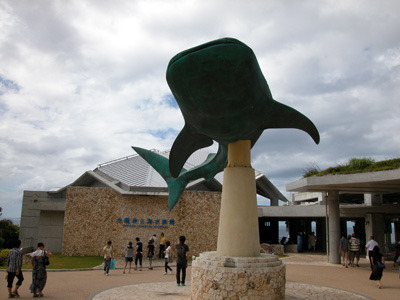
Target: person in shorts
354,250
14,269
128,256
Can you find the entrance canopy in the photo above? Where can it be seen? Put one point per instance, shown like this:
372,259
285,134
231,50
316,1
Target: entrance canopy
372,182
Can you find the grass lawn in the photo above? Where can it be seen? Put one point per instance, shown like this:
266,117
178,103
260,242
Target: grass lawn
69,262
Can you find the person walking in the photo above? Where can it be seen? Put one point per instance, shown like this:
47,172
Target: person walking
182,258
39,273
354,250
150,253
108,255
14,269
163,240
155,243
344,250
369,247
128,256
396,254
312,240
378,264
167,256
138,254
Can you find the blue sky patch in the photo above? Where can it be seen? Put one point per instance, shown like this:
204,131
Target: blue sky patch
7,85
170,100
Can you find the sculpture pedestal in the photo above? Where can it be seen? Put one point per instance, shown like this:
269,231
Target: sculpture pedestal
237,270
223,277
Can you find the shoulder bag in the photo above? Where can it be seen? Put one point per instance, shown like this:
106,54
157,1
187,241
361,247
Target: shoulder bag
46,260
380,265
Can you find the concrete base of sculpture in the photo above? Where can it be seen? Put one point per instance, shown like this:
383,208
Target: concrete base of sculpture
223,277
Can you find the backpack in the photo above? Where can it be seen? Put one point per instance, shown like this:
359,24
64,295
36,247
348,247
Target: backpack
181,253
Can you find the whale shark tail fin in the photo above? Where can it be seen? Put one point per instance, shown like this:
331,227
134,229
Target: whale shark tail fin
187,142
176,186
284,116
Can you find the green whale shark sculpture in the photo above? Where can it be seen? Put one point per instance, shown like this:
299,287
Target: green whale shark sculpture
224,97
214,164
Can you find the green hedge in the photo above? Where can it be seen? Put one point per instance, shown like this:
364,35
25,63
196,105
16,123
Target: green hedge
3,256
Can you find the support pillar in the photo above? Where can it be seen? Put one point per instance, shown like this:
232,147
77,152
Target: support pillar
238,216
397,231
334,226
237,270
374,225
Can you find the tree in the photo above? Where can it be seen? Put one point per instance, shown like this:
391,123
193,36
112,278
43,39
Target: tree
8,233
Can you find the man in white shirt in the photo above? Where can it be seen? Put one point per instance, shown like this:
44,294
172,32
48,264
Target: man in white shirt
155,240
369,247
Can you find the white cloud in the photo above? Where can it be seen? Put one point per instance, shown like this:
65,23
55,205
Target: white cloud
82,81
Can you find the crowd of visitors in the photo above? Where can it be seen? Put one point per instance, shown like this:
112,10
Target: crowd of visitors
350,248
165,251
40,259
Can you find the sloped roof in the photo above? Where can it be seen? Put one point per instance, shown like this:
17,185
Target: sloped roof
133,175
135,171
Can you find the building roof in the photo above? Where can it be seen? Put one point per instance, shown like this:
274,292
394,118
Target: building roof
370,182
133,175
135,171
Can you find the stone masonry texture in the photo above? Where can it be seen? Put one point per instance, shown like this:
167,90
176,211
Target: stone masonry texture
221,277
95,215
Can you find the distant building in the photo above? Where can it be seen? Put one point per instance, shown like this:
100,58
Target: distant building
370,200
124,199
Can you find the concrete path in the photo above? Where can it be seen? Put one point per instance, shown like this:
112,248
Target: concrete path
308,277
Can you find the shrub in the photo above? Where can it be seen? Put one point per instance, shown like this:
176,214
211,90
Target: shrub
3,256
311,171
356,164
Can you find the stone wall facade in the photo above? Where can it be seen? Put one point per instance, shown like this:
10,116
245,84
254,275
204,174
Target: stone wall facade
94,215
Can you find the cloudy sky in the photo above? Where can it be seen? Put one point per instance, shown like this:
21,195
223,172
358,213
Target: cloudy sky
82,81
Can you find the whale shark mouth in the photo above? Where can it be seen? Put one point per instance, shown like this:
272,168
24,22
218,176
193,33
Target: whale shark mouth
223,41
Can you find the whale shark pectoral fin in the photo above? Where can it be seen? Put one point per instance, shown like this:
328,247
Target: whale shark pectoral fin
176,186
157,161
187,142
284,116
175,190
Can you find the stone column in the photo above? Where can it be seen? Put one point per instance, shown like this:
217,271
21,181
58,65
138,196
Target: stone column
372,199
237,270
368,227
275,202
376,228
334,226
397,231
238,233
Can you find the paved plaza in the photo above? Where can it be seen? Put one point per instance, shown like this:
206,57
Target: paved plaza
308,277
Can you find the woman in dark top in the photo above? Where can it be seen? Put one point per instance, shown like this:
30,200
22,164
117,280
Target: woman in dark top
377,263
150,253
